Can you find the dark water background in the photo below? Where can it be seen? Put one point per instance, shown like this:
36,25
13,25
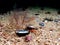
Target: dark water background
7,5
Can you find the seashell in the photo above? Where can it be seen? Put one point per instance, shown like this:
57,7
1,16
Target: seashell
30,27
22,32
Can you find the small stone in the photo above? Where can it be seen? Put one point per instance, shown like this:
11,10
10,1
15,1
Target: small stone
59,39
58,12
1,25
56,20
42,8
45,21
28,38
40,27
48,19
48,13
36,14
41,24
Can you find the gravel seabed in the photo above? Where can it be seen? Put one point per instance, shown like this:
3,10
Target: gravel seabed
49,34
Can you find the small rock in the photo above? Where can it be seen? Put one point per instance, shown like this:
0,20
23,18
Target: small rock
28,38
48,19
36,14
59,39
41,24
48,13
40,27
1,25
56,20
42,8
58,12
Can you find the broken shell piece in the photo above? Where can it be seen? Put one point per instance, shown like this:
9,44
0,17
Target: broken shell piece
45,21
30,27
22,32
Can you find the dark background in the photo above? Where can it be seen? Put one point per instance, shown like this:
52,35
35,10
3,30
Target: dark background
7,5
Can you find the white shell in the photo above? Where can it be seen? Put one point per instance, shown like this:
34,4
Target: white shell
21,31
45,21
32,26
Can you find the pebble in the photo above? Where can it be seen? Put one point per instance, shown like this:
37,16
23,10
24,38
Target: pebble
42,8
1,25
41,24
40,27
36,14
55,20
45,21
59,39
28,38
58,12
47,12
48,19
